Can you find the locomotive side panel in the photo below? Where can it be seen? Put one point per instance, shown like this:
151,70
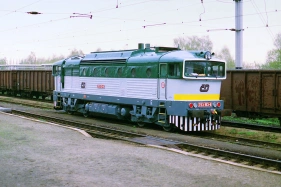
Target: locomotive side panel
129,88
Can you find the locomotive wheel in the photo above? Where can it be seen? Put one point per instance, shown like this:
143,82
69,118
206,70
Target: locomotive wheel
170,128
69,111
141,124
86,114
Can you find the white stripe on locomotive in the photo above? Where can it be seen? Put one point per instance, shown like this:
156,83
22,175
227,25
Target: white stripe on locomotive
193,124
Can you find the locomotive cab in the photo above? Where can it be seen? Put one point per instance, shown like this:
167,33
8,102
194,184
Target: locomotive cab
191,89
59,83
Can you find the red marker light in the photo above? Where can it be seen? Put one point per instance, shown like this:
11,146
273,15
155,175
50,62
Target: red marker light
190,105
218,104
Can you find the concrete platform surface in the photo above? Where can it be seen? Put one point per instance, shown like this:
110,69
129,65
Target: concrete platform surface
39,154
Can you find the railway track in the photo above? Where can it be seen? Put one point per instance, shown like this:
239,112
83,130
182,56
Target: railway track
49,105
255,162
251,126
208,135
28,102
240,141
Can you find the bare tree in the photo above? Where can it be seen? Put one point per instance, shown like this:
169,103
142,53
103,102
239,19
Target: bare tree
30,59
76,52
3,61
194,43
225,55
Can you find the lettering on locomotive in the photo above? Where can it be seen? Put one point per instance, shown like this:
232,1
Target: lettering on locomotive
204,104
204,88
83,85
101,86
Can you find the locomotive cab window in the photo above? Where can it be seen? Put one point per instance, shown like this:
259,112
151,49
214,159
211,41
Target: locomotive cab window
163,70
208,69
174,70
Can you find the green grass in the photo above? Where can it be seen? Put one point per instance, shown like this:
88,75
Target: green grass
250,134
261,121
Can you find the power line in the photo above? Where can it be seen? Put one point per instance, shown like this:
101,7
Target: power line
167,23
262,19
20,8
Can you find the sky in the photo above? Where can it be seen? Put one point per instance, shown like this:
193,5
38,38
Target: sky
88,25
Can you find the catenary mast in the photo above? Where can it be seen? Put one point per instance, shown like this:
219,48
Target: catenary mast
238,33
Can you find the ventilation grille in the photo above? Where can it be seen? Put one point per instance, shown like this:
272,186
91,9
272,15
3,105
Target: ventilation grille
108,61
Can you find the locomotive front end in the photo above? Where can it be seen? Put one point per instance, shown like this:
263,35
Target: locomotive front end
195,98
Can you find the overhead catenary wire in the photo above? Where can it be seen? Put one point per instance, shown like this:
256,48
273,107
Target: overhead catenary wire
262,19
168,23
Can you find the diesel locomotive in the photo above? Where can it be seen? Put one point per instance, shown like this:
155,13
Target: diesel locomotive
166,86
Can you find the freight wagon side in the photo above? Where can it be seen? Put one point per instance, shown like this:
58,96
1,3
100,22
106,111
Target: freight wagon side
27,83
253,93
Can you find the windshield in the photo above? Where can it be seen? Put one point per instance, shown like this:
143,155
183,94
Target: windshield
204,69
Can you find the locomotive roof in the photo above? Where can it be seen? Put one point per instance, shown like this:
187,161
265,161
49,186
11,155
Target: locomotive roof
160,54
147,54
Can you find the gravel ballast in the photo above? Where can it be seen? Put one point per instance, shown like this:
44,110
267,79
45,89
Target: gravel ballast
40,154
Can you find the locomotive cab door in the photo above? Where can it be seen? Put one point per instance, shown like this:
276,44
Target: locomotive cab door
162,81
58,78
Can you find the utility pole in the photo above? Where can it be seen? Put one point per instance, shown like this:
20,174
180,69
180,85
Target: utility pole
238,33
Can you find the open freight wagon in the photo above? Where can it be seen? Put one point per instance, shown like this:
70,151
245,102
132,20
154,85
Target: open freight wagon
253,93
27,83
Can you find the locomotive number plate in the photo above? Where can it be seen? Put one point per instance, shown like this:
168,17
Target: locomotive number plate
101,86
204,104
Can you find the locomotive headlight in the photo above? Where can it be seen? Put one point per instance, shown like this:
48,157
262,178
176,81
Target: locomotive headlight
195,105
216,104
208,55
192,105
